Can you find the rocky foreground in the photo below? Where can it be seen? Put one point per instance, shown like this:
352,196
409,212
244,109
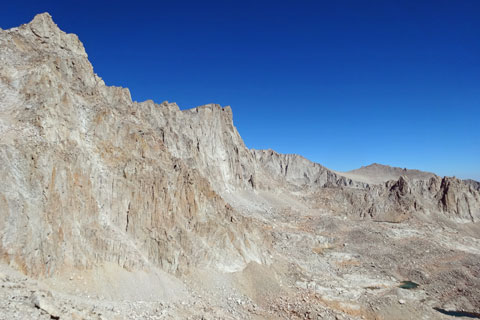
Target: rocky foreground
114,209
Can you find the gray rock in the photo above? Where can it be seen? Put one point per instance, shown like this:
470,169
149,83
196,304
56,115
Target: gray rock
41,301
92,179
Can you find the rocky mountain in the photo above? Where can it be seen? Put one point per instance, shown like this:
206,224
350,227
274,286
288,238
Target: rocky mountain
378,173
93,181
84,167
473,183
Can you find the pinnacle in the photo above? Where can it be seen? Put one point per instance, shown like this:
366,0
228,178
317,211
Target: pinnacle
44,28
43,15
43,25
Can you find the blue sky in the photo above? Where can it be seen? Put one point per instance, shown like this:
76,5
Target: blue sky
343,83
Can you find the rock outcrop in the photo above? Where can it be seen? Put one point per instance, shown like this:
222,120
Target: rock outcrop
89,176
296,171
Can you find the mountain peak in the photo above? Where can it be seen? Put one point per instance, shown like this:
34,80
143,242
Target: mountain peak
43,26
377,165
102,196
49,34
379,173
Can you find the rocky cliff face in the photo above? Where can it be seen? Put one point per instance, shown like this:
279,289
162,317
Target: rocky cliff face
91,177
380,192
206,139
296,171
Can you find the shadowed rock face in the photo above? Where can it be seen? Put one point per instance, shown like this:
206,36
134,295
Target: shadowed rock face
459,199
91,177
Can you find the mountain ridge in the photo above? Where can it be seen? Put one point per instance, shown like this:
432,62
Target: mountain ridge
379,173
94,181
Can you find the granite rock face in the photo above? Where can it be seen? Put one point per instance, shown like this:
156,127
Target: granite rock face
296,171
90,177
395,195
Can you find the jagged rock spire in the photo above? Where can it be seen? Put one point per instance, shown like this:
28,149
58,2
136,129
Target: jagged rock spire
43,26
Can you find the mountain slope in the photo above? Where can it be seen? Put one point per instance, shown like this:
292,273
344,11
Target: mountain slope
90,167
88,180
378,173
95,182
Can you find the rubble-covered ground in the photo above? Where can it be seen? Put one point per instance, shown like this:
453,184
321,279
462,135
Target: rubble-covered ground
323,267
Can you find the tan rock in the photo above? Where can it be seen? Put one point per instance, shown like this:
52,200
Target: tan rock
40,301
91,179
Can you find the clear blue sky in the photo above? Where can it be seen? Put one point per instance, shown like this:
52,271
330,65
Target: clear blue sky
344,83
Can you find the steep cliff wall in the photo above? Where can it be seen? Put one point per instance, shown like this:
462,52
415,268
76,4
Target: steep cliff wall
91,177
381,192
295,170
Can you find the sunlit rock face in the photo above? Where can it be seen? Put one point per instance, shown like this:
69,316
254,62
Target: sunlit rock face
89,177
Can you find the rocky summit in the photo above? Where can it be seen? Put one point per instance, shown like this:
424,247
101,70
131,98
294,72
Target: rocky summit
116,209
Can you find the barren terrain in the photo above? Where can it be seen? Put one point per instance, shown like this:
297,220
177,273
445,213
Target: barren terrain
115,209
